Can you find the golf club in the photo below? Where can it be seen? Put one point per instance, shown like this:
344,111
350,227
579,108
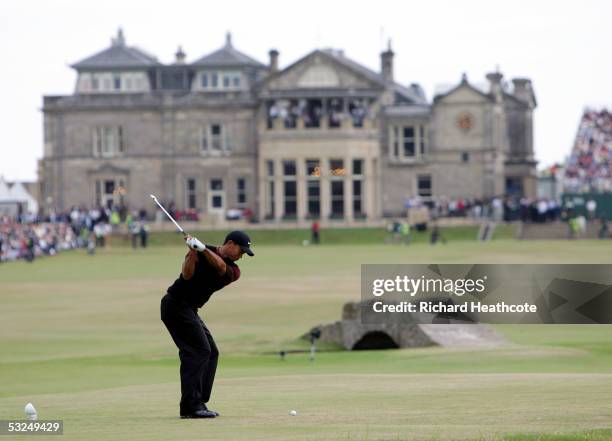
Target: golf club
193,242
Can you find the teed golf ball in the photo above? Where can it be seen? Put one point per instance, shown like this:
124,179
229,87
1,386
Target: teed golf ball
293,412
30,412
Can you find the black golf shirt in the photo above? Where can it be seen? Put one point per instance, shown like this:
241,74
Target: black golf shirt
205,281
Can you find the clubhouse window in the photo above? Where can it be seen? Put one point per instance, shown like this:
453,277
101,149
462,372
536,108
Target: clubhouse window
424,185
241,193
407,142
216,194
357,197
190,193
313,188
289,168
289,189
214,139
108,141
337,198
270,168
336,168
357,183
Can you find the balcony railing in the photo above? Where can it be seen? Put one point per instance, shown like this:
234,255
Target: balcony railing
300,123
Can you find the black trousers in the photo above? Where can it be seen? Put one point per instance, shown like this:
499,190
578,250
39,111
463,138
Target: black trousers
197,351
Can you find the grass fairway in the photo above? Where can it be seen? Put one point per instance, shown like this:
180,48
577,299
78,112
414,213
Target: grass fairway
82,340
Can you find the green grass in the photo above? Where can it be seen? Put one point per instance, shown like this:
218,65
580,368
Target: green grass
82,340
591,435
329,236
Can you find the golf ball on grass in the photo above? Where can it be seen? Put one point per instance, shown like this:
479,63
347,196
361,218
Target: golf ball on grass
293,412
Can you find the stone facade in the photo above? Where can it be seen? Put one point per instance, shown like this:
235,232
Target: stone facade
324,138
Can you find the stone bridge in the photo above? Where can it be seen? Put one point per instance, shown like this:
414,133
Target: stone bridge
404,332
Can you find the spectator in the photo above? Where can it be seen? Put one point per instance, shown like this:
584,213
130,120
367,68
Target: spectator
314,233
591,207
405,232
144,234
603,228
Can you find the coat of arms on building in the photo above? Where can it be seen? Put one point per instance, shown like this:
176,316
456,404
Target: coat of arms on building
465,121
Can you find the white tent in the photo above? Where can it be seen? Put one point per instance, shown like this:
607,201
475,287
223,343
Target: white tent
4,189
20,194
11,198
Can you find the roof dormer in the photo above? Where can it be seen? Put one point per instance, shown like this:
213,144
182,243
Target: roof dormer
117,69
226,69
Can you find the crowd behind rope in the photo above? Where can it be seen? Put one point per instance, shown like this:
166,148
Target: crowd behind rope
499,208
589,167
29,236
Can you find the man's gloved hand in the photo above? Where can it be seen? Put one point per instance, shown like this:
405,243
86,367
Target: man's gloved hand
194,243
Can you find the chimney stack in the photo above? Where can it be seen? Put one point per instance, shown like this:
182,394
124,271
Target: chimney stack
273,60
495,81
523,90
386,64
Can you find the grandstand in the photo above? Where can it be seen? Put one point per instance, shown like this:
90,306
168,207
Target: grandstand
588,169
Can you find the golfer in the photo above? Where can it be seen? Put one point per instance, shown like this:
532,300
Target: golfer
203,273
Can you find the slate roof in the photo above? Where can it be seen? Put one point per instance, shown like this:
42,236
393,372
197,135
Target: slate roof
228,56
118,56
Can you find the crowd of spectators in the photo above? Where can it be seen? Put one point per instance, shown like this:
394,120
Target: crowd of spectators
589,167
29,236
311,111
498,208
27,241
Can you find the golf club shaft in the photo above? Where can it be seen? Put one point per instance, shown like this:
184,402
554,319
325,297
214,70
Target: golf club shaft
193,243
168,214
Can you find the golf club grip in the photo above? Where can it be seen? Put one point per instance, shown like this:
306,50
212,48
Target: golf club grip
196,244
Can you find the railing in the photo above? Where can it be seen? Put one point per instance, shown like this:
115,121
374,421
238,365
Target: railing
298,124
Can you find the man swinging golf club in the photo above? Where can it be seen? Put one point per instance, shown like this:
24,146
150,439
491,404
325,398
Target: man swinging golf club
206,269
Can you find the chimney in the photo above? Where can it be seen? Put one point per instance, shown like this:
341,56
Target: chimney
180,56
273,60
386,64
495,81
523,90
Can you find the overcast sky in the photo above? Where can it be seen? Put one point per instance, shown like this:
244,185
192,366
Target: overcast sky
563,46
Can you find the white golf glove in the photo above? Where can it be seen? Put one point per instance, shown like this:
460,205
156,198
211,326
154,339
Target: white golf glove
195,244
